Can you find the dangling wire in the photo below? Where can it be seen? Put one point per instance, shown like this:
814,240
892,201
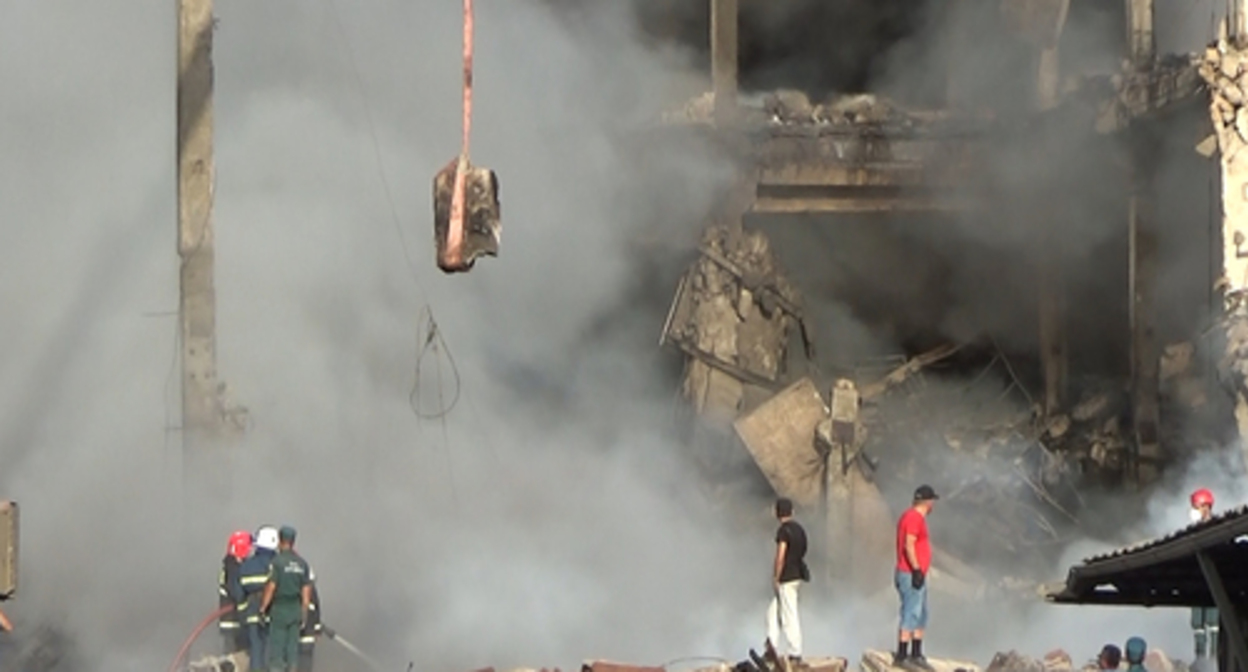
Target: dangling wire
433,345
431,341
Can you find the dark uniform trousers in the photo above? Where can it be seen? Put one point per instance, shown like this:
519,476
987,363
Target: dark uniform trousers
233,636
311,630
253,576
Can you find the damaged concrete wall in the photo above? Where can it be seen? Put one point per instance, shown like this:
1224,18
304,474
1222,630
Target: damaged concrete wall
732,315
1225,70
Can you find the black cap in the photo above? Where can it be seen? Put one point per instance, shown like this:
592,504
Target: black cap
925,493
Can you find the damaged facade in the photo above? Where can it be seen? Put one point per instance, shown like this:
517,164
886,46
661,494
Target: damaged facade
1021,432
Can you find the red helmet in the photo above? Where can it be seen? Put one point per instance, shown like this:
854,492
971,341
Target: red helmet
239,545
1202,497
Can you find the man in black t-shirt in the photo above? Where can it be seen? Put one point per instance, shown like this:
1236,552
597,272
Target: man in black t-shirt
788,571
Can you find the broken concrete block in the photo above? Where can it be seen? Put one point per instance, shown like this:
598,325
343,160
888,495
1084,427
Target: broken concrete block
1156,660
1058,661
760,342
1013,661
1241,123
606,666
780,437
717,328
1091,406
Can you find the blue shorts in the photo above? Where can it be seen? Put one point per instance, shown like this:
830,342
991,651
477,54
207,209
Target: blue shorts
913,603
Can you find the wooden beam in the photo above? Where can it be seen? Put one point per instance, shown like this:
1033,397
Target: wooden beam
724,22
1226,611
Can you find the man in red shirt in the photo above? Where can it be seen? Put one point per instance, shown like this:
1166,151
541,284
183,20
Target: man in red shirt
914,559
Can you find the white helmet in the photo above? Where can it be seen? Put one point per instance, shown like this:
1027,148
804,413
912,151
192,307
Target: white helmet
266,538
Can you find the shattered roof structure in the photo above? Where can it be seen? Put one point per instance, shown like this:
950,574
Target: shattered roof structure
1166,571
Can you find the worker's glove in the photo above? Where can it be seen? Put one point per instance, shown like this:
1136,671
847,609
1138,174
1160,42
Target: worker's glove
916,579
328,632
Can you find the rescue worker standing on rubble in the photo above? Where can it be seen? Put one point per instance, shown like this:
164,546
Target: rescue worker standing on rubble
230,592
287,600
914,560
254,576
311,628
788,571
1204,619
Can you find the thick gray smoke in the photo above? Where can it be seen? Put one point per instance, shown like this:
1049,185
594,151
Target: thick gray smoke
550,518
547,520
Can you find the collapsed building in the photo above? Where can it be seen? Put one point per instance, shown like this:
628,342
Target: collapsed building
1074,365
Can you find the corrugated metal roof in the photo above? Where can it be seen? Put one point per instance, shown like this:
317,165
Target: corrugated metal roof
1218,519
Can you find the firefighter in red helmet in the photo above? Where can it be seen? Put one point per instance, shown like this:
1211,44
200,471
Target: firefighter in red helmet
1204,619
1202,505
230,592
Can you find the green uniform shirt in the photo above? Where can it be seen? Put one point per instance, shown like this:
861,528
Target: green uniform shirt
289,574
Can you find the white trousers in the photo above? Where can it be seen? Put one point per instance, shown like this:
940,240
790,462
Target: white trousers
782,615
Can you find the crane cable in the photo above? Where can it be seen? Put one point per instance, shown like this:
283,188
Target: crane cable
456,230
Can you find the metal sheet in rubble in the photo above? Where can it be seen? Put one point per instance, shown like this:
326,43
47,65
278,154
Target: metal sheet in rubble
779,435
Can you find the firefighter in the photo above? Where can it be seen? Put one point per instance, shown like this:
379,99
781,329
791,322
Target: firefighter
253,576
287,599
1204,619
311,627
230,591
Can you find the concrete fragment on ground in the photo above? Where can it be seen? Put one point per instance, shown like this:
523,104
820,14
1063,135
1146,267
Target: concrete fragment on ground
1013,661
609,666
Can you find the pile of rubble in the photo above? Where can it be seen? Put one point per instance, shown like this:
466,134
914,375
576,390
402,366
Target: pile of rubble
790,107
874,661
1155,660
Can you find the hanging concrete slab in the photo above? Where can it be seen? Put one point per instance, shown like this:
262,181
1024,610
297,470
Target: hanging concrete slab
780,436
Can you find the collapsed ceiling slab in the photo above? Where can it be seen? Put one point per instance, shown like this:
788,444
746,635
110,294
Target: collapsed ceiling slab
780,437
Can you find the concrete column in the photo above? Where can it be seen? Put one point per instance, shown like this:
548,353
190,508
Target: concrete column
200,409
1052,300
1142,279
724,22
1141,40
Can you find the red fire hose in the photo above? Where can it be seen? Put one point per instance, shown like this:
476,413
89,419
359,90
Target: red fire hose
199,629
